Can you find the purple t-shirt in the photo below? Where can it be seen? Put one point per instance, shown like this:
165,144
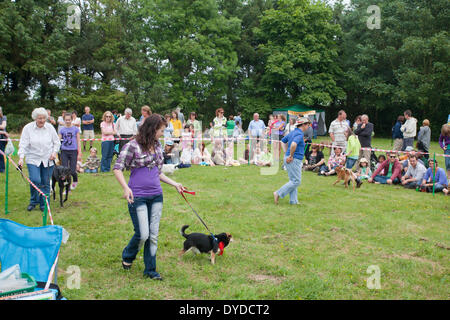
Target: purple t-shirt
144,182
69,138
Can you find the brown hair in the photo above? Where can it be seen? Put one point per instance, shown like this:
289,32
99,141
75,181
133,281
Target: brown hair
219,110
147,131
445,130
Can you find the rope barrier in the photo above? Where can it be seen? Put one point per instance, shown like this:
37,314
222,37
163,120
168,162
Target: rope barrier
248,138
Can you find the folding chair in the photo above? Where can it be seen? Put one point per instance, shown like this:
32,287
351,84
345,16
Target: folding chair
35,250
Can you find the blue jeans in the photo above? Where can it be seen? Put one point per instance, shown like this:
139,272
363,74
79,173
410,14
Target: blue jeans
315,134
294,170
90,170
350,163
145,214
107,155
384,179
40,176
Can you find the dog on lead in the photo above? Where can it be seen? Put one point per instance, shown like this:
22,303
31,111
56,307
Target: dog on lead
203,243
348,176
62,176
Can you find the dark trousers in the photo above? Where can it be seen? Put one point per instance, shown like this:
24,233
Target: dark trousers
69,160
124,142
2,160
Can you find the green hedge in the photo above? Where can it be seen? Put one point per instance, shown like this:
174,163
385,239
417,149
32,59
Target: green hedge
15,122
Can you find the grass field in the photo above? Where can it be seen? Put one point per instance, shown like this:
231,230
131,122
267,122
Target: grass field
320,249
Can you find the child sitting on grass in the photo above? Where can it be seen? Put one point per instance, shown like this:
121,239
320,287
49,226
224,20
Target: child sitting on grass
202,156
364,171
217,154
265,158
229,155
168,152
186,156
335,160
381,158
92,162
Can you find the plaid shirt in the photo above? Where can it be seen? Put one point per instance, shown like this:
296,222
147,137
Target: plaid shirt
132,157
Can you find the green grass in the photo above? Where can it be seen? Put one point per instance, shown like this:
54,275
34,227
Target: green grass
320,249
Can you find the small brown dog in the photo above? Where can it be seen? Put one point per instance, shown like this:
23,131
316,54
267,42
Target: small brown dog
346,175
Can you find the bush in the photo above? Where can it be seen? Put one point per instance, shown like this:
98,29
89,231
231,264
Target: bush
15,122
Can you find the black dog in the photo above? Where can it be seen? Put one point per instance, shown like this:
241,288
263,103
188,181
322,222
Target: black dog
63,176
202,243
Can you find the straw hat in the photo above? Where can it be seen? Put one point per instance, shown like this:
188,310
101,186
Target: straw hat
302,120
363,160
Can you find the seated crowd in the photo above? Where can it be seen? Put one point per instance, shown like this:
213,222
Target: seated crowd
411,169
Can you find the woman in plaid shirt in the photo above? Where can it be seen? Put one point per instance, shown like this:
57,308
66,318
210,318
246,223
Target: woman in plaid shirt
144,157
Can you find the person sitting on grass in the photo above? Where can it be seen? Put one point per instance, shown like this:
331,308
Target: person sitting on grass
381,158
336,159
202,156
414,174
168,151
364,172
265,158
229,155
405,162
314,160
92,163
244,160
186,156
217,154
392,169
440,178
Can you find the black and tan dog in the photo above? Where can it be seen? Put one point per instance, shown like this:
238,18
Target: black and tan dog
203,243
63,176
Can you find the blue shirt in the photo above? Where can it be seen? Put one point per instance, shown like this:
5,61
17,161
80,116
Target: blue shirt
297,137
256,128
440,177
87,117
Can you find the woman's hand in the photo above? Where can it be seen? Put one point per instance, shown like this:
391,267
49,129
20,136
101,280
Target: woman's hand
128,194
53,156
179,187
20,163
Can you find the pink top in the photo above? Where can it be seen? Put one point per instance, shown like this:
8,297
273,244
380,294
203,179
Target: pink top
108,130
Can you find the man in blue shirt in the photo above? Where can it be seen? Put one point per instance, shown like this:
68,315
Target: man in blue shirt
87,126
294,148
434,176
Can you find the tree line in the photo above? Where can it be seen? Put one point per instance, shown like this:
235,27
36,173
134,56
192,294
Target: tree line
242,55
